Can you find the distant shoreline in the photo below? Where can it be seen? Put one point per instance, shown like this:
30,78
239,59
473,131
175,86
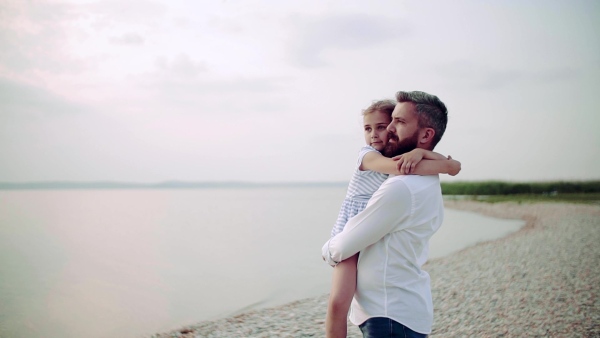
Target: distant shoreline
65,185
458,188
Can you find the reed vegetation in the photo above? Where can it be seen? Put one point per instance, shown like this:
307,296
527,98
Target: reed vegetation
499,191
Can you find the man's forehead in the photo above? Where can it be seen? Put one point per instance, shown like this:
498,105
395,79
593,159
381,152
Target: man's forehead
405,110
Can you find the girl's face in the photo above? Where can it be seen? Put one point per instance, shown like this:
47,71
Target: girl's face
375,127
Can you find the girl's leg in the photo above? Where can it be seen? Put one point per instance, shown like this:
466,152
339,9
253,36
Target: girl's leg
343,285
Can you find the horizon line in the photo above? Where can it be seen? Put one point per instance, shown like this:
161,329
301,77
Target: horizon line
179,184
170,184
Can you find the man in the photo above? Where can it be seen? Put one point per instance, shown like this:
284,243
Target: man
393,294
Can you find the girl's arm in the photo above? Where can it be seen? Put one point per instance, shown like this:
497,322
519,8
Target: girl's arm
411,163
434,167
374,161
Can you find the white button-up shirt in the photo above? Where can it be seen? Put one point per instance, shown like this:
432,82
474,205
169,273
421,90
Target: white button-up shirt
392,235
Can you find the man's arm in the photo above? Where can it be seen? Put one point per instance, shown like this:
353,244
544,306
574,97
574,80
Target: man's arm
388,207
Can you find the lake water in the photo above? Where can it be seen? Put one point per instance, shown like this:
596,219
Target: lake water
130,263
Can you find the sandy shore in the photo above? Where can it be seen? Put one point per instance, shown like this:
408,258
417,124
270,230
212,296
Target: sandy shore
542,281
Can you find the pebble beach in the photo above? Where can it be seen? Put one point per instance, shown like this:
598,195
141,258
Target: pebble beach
541,281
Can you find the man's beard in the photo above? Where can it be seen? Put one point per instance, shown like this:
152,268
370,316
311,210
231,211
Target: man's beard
397,147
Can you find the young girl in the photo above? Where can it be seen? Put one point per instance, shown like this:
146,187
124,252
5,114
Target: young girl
372,169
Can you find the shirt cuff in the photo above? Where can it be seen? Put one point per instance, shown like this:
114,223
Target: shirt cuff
327,255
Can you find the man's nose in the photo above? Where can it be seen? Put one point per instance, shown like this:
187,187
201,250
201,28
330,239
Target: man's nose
389,128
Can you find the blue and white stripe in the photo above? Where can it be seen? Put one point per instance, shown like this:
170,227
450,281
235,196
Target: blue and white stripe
362,186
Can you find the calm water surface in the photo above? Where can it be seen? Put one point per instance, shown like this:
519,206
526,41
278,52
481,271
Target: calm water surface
129,263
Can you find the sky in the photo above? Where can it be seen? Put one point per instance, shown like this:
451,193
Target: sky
271,91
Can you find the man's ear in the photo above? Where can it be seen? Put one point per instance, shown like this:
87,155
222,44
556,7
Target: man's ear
426,136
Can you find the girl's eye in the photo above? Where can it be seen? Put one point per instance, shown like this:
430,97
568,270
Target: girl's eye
367,129
381,127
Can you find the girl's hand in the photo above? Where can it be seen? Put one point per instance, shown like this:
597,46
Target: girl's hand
408,161
454,166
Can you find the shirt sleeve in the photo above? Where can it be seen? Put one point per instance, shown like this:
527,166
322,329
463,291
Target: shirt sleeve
363,151
390,205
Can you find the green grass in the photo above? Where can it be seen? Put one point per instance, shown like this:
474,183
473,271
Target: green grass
588,198
554,188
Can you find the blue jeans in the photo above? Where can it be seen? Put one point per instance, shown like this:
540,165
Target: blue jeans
379,327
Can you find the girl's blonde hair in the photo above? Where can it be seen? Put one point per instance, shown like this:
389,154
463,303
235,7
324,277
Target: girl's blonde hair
384,106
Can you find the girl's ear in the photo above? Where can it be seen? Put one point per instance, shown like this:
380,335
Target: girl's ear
426,135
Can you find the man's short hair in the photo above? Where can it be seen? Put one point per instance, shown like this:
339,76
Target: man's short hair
431,111
384,106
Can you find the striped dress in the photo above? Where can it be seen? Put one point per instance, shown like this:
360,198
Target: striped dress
362,186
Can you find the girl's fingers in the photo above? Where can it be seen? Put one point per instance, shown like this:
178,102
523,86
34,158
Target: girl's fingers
400,165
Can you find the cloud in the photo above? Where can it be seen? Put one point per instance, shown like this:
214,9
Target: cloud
312,37
178,81
34,36
553,75
270,105
127,39
229,96
20,100
180,67
109,13
486,77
